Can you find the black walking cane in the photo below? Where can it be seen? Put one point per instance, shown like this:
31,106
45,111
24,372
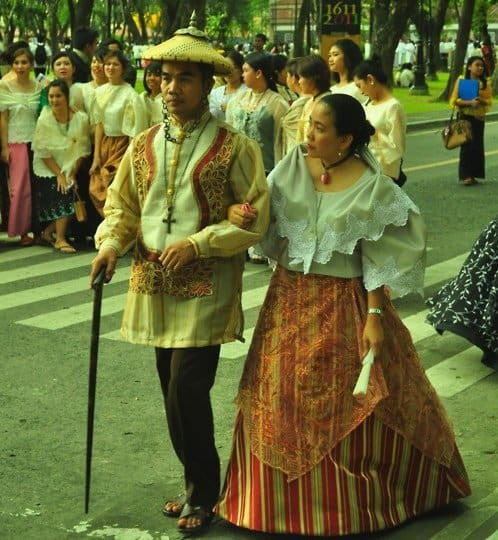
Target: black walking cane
98,285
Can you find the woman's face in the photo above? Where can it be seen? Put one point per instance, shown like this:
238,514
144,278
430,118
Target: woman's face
476,69
250,75
56,98
336,60
97,67
64,69
365,86
293,83
234,78
113,70
323,142
153,81
307,85
282,76
22,65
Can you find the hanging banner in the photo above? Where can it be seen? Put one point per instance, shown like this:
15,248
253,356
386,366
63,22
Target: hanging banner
341,16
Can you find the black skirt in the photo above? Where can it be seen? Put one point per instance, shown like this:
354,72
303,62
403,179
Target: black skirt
52,204
468,304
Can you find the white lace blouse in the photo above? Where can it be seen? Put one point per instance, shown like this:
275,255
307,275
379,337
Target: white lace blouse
65,143
23,110
371,229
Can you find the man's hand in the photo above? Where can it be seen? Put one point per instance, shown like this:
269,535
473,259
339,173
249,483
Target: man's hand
177,255
107,258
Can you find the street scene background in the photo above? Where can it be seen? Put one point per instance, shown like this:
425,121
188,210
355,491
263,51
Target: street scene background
46,307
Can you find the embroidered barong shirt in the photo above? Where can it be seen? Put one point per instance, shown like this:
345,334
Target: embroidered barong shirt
200,304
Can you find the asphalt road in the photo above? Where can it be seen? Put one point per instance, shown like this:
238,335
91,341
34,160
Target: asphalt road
45,308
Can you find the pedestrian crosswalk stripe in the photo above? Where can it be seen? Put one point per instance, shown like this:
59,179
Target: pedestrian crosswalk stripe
19,254
458,372
68,262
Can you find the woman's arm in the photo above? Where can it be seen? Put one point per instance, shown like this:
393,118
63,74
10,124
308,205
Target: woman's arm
63,183
373,333
4,135
99,135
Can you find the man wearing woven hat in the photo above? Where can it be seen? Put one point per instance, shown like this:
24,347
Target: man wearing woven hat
170,199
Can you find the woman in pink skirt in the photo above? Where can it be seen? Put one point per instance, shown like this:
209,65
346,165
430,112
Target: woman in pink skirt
311,456
19,100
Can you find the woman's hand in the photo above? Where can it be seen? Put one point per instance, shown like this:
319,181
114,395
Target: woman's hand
107,258
62,183
5,155
177,255
242,215
373,335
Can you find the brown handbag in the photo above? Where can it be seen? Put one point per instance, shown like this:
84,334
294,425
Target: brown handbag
79,206
456,132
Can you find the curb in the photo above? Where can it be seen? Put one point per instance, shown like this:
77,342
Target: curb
418,125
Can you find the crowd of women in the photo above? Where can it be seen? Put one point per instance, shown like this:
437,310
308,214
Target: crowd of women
62,139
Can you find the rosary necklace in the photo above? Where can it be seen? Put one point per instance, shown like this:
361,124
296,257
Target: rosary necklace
183,134
325,176
171,187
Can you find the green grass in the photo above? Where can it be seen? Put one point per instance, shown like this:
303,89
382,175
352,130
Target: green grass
418,104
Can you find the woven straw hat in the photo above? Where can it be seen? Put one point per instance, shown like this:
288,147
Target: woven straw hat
189,45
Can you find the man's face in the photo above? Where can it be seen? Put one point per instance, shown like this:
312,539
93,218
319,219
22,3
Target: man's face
183,89
259,44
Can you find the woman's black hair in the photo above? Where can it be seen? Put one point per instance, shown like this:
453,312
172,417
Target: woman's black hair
122,59
293,66
63,54
470,61
237,59
315,68
371,67
348,117
59,83
7,55
352,56
100,53
262,62
155,67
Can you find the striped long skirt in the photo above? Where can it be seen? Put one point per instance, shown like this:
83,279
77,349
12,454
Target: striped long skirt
373,479
311,459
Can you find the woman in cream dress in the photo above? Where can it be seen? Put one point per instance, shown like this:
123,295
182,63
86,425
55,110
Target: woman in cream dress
119,114
344,56
386,115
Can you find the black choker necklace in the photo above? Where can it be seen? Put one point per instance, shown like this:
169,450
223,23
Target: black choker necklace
325,177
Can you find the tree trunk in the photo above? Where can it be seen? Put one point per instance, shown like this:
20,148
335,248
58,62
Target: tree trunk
82,13
127,7
176,14
299,29
464,26
437,28
390,21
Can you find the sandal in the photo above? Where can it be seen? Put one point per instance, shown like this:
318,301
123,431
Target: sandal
26,240
469,182
169,512
64,247
203,516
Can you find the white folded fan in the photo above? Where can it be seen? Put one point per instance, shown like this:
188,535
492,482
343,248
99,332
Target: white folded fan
361,386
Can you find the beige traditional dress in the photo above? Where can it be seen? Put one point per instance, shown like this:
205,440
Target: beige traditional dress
303,123
290,123
153,108
214,167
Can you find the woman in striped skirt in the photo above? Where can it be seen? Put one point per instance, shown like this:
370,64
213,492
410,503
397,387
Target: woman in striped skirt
310,455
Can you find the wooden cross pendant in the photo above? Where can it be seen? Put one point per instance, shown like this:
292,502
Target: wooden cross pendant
169,219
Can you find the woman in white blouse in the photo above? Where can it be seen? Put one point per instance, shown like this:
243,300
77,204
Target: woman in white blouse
152,97
386,115
120,115
344,56
221,95
62,139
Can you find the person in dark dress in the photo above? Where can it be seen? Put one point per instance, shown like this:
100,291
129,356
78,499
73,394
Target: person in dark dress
468,304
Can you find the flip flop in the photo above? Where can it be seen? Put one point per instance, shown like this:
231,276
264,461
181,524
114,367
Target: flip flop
173,513
200,513
64,247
